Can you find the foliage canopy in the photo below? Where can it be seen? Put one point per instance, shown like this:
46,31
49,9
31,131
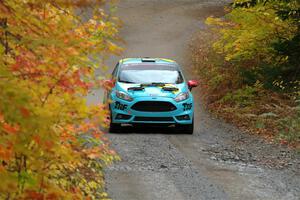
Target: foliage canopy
50,143
263,37
249,61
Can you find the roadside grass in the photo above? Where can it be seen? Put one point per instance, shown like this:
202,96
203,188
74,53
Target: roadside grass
274,115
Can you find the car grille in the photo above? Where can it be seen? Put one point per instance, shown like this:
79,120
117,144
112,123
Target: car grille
154,106
154,119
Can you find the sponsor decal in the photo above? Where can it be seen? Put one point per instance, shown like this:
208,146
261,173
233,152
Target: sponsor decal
187,106
120,106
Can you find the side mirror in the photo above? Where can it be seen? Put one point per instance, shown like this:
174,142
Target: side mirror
191,84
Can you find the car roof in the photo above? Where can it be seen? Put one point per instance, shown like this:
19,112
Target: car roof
148,60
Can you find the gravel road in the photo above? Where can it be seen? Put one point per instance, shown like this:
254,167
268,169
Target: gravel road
217,162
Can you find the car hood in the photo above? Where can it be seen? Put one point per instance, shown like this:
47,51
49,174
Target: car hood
152,91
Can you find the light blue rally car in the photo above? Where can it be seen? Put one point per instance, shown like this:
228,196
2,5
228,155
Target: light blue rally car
150,91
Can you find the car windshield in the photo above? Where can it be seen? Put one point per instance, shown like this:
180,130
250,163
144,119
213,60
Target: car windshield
147,74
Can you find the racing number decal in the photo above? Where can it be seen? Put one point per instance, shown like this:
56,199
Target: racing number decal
187,106
120,106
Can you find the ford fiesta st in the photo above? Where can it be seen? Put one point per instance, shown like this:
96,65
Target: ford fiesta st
150,91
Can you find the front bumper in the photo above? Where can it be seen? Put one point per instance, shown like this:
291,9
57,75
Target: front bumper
121,112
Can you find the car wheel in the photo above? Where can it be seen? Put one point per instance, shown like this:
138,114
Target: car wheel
186,128
114,128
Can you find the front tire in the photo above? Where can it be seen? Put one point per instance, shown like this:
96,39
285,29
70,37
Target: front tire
186,128
114,128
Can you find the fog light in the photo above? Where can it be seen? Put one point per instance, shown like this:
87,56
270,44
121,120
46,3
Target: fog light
124,117
183,117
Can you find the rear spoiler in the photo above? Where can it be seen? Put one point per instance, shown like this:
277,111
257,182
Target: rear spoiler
147,59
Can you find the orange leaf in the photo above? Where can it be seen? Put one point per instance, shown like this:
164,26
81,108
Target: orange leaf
37,139
52,196
49,144
25,112
33,195
10,129
5,153
96,135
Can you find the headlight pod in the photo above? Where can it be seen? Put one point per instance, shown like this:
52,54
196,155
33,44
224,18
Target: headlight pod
182,96
124,96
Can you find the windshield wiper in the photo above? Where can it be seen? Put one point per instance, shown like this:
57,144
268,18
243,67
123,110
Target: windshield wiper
126,82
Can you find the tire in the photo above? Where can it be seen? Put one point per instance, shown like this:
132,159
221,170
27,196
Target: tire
114,128
186,128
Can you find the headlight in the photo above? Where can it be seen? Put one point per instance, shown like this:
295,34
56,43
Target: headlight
124,96
182,96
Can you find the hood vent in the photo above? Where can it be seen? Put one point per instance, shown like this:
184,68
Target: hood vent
171,89
135,89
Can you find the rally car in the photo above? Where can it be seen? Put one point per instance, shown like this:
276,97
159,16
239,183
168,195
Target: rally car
150,91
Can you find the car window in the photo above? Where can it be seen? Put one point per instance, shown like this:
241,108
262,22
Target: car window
150,74
114,72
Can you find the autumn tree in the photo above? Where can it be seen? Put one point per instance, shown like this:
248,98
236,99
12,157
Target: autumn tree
263,38
51,146
249,61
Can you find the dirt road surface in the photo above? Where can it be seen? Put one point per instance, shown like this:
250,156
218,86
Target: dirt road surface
217,162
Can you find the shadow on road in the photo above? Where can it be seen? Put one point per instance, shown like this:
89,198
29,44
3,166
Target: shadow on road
148,129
